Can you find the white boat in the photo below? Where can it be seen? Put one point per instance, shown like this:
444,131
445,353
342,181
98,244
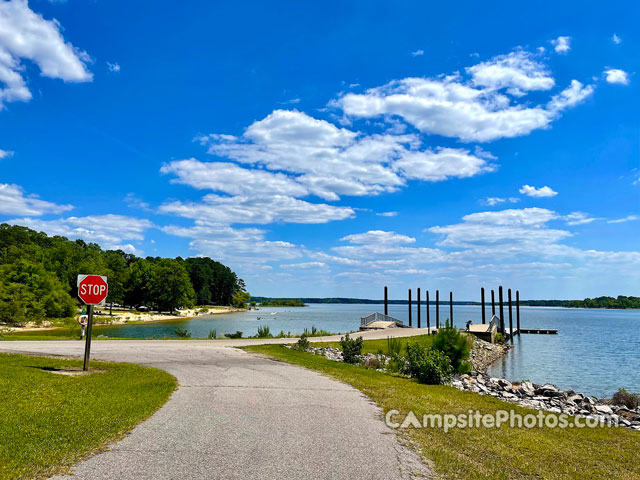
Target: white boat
274,313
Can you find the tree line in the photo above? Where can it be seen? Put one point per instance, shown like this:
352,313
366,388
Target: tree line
38,276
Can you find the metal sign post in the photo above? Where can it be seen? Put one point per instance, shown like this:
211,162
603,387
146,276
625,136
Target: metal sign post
87,344
92,290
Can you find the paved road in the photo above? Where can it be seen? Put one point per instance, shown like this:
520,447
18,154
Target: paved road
241,416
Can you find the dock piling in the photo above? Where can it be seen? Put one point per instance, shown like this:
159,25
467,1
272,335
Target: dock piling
518,310
437,308
418,306
493,303
409,307
386,301
428,315
501,310
484,319
510,315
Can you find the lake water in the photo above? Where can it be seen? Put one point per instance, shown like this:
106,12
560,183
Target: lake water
595,352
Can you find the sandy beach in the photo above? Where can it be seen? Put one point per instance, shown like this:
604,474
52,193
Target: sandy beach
119,317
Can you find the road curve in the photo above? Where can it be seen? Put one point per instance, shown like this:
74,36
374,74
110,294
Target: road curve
241,416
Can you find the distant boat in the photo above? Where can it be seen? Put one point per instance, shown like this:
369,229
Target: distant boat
274,313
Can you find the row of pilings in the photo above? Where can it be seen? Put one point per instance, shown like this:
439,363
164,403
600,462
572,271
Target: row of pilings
500,317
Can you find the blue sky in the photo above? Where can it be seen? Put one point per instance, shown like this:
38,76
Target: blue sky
331,148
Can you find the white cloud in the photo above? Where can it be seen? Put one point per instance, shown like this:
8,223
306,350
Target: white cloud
108,230
541,192
113,67
441,164
25,34
259,210
616,39
492,201
378,237
615,75
304,265
579,218
132,200
5,154
628,218
417,53
13,201
245,248
474,110
571,96
517,71
562,45
292,155
387,214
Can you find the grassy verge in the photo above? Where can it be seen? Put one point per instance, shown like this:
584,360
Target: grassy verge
49,421
480,453
374,346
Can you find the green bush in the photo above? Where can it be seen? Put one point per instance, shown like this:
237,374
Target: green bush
499,338
351,348
428,365
264,332
182,333
238,334
303,343
212,335
454,345
629,400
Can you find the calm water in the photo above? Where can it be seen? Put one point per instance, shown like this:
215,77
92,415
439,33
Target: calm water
595,351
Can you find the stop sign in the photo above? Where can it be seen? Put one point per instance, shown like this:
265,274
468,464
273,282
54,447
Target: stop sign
92,289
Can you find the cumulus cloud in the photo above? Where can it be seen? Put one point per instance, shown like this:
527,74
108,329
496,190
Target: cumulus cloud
378,237
14,201
541,192
5,154
290,155
26,35
481,109
107,230
579,218
259,210
615,75
247,248
562,45
113,67
517,71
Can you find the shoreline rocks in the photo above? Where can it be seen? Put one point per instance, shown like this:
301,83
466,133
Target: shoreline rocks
549,398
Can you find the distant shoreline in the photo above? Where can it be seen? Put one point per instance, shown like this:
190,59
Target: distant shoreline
523,303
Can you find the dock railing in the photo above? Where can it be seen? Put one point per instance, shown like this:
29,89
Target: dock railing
378,317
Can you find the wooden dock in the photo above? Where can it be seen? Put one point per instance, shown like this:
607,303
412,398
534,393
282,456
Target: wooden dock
535,331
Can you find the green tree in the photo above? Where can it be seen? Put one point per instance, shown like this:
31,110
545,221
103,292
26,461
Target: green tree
170,285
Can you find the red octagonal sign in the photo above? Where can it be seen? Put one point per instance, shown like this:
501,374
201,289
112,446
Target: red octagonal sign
92,289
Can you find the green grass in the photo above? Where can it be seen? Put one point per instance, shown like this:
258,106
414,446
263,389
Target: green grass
48,421
373,346
600,453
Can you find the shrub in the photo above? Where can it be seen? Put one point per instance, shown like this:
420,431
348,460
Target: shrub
428,365
499,338
212,335
629,400
351,348
263,332
454,345
303,343
238,334
371,362
394,346
316,332
182,333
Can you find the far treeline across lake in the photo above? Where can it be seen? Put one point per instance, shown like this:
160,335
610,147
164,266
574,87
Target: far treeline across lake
38,277
599,302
